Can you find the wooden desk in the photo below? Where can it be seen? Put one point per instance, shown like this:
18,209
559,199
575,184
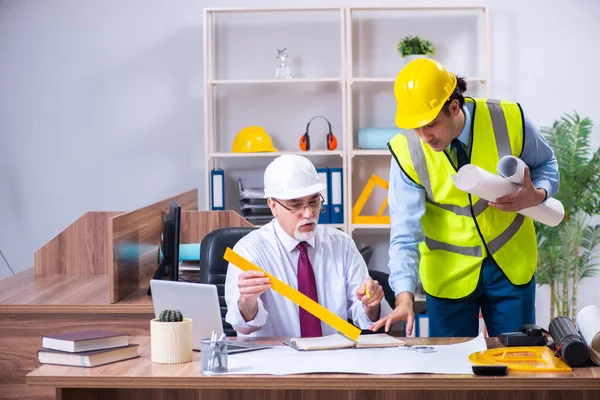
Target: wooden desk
142,379
32,306
93,275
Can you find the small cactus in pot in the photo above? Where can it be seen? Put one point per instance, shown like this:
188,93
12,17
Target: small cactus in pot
170,316
171,338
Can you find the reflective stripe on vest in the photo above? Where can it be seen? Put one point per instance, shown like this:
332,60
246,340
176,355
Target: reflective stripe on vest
454,247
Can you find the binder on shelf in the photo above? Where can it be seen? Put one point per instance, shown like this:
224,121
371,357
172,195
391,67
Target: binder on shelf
336,195
325,216
217,189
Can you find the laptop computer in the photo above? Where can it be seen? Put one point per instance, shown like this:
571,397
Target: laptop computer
200,303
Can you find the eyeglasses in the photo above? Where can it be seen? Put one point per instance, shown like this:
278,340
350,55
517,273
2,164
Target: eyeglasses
314,204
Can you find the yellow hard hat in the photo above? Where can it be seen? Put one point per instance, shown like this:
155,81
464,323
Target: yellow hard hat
421,89
252,139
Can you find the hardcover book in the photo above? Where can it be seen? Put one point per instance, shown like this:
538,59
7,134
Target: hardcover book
88,358
75,342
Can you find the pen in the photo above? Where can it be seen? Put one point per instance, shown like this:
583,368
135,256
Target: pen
211,355
367,292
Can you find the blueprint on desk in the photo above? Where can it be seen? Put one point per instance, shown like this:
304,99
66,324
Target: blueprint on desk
283,360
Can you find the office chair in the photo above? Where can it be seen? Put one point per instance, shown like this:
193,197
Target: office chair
383,279
366,252
213,268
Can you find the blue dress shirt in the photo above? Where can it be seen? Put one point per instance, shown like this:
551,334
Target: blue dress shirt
406,201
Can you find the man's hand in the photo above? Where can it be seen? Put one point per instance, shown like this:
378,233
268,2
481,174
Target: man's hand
251,285
370,293
527,196
402,312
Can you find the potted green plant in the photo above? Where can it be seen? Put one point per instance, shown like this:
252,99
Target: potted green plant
171,338
412,47
568,252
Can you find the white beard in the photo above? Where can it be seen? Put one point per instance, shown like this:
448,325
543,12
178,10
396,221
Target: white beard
305,236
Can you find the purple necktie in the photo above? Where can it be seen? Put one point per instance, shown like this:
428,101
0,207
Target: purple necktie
310,326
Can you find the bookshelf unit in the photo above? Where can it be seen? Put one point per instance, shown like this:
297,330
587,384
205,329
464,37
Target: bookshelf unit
364,41
308,81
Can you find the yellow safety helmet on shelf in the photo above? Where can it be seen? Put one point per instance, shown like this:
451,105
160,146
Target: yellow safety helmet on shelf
252,139
421,89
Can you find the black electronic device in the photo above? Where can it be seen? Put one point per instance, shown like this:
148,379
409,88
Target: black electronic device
528,335
489,370
169,244
568,342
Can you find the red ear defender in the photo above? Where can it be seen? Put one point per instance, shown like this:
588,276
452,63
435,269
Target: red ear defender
331,139
305,142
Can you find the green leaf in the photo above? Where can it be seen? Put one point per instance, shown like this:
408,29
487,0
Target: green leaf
574,243
412,45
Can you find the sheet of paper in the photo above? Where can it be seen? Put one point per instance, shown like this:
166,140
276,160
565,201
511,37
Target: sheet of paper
588,323
283,360
481,183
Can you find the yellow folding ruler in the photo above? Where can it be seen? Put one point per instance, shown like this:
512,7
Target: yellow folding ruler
521,358
300,299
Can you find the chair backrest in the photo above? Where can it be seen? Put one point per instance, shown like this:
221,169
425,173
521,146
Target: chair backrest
366,252
213,268
383,279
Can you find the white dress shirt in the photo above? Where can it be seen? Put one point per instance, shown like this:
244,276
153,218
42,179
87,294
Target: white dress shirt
338,266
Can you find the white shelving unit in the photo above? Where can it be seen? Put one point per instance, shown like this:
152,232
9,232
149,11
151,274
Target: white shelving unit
353,78
220,157
349,77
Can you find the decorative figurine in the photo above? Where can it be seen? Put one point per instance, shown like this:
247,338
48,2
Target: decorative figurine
282,71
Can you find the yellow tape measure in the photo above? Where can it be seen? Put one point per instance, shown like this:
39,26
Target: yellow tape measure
300,299
525,358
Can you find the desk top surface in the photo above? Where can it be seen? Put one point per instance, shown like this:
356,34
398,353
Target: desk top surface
26,292
142,373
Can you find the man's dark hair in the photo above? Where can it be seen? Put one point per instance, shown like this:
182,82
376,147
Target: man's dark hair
461,87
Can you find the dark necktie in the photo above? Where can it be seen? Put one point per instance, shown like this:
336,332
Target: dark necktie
461,154
310,326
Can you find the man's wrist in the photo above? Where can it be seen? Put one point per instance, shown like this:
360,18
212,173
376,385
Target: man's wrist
404,297
372,312
542,195
247,309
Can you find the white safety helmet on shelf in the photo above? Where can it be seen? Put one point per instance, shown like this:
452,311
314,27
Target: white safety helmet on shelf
290,176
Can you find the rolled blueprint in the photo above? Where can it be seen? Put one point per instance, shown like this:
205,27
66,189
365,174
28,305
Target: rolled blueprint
481,183
588,323
512,168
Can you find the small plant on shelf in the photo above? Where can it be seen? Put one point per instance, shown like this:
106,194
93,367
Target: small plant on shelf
414,45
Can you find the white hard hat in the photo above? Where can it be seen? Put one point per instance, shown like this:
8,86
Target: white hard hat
291,177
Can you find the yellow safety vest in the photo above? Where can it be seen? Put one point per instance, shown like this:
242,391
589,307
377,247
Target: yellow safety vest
460,229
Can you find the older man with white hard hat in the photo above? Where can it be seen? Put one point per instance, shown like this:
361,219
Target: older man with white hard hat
320,261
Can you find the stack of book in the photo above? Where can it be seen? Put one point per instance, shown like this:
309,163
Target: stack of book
86,348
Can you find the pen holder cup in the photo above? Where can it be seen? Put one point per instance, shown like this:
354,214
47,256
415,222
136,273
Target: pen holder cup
171,342
213,356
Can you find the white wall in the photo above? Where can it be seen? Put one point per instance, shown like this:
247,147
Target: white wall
101,101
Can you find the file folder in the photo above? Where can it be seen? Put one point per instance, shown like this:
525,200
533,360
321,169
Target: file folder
336,195
325,216
217,189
